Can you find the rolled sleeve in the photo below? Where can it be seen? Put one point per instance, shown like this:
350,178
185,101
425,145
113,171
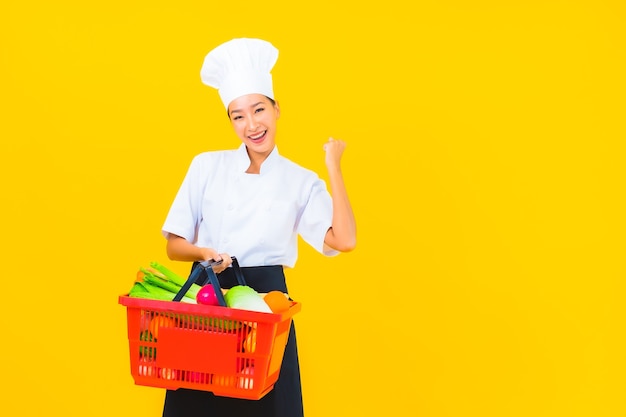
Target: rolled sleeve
184,214
316,218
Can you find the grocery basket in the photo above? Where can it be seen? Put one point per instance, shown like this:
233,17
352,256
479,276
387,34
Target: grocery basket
228,351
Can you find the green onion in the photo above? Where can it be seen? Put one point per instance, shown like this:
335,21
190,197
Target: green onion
153,292
176,279
159,282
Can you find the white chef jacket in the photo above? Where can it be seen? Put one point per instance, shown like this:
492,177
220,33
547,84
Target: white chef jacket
255,217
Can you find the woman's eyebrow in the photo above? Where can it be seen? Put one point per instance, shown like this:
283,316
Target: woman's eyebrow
251,106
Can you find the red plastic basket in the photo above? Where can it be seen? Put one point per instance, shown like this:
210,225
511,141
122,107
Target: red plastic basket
230,352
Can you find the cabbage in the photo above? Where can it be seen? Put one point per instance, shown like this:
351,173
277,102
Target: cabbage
246,298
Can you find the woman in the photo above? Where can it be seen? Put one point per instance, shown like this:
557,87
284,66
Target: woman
252,203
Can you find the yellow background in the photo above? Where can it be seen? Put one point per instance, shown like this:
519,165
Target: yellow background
485,164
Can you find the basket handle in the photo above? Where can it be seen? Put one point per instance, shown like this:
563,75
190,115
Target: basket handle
241,280
207,266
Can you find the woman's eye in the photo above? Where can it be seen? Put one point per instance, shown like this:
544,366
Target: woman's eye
260,109
237,117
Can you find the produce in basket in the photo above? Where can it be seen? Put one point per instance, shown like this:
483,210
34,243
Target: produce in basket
160,283
249,344
146,367
223,380
197,377
277,301
247,382
167,373
246,298
207,296
158,322
146,351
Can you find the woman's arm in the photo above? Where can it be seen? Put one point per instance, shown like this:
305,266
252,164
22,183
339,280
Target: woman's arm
179,249
342,234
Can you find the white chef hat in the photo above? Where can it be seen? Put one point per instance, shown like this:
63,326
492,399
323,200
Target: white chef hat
240,66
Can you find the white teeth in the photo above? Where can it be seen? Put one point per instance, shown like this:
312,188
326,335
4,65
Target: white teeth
257,136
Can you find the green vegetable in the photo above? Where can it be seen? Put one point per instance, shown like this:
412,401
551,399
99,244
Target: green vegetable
149,351
159,283
150,278
204,322
153,292
246,298
176,279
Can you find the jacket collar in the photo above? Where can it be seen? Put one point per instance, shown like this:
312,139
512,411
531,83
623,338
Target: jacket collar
242,160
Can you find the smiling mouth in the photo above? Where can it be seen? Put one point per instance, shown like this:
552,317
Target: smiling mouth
257,137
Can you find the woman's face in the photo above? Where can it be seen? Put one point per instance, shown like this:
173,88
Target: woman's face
254,117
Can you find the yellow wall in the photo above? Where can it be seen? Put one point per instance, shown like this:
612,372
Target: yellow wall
485,164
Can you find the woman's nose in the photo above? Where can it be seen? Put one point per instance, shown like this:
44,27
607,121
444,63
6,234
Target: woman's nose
252,123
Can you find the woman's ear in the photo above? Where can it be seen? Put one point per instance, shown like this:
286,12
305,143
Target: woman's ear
277,107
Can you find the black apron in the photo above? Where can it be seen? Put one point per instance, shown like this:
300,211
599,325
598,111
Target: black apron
284,400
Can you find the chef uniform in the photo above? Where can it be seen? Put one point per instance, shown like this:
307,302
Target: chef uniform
255,217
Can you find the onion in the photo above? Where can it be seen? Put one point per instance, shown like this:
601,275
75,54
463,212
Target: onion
206,296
